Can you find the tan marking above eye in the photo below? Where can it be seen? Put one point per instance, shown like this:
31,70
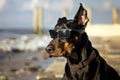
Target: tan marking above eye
73,47
76,38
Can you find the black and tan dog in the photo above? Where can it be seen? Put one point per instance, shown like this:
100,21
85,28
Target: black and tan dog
71,41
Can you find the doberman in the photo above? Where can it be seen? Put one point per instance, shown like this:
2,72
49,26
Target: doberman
71,41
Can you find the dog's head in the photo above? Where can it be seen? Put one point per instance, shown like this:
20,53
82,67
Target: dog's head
66,35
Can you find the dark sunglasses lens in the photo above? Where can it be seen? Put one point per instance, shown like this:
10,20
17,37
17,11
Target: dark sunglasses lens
64,33
52,33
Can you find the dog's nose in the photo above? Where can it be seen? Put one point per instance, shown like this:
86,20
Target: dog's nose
50,49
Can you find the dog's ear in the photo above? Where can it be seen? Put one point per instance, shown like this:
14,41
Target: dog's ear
61,20
81,16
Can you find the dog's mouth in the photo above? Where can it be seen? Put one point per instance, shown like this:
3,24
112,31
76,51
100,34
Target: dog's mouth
54,55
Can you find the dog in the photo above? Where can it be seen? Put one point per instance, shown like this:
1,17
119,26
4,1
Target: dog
70,40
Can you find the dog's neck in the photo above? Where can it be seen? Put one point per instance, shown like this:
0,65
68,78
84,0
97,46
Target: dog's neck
78,55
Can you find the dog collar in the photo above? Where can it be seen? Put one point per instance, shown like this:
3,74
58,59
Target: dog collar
88,60
85,62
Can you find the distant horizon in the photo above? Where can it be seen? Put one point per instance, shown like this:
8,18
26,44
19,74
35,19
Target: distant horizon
44,27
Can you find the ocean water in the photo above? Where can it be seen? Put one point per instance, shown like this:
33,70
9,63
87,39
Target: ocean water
6,33
13,33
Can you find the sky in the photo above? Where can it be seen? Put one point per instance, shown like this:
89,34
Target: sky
19,13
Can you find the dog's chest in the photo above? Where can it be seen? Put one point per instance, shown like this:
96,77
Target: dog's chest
79,73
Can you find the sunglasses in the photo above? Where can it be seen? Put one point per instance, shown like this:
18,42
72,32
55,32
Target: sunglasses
63,33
